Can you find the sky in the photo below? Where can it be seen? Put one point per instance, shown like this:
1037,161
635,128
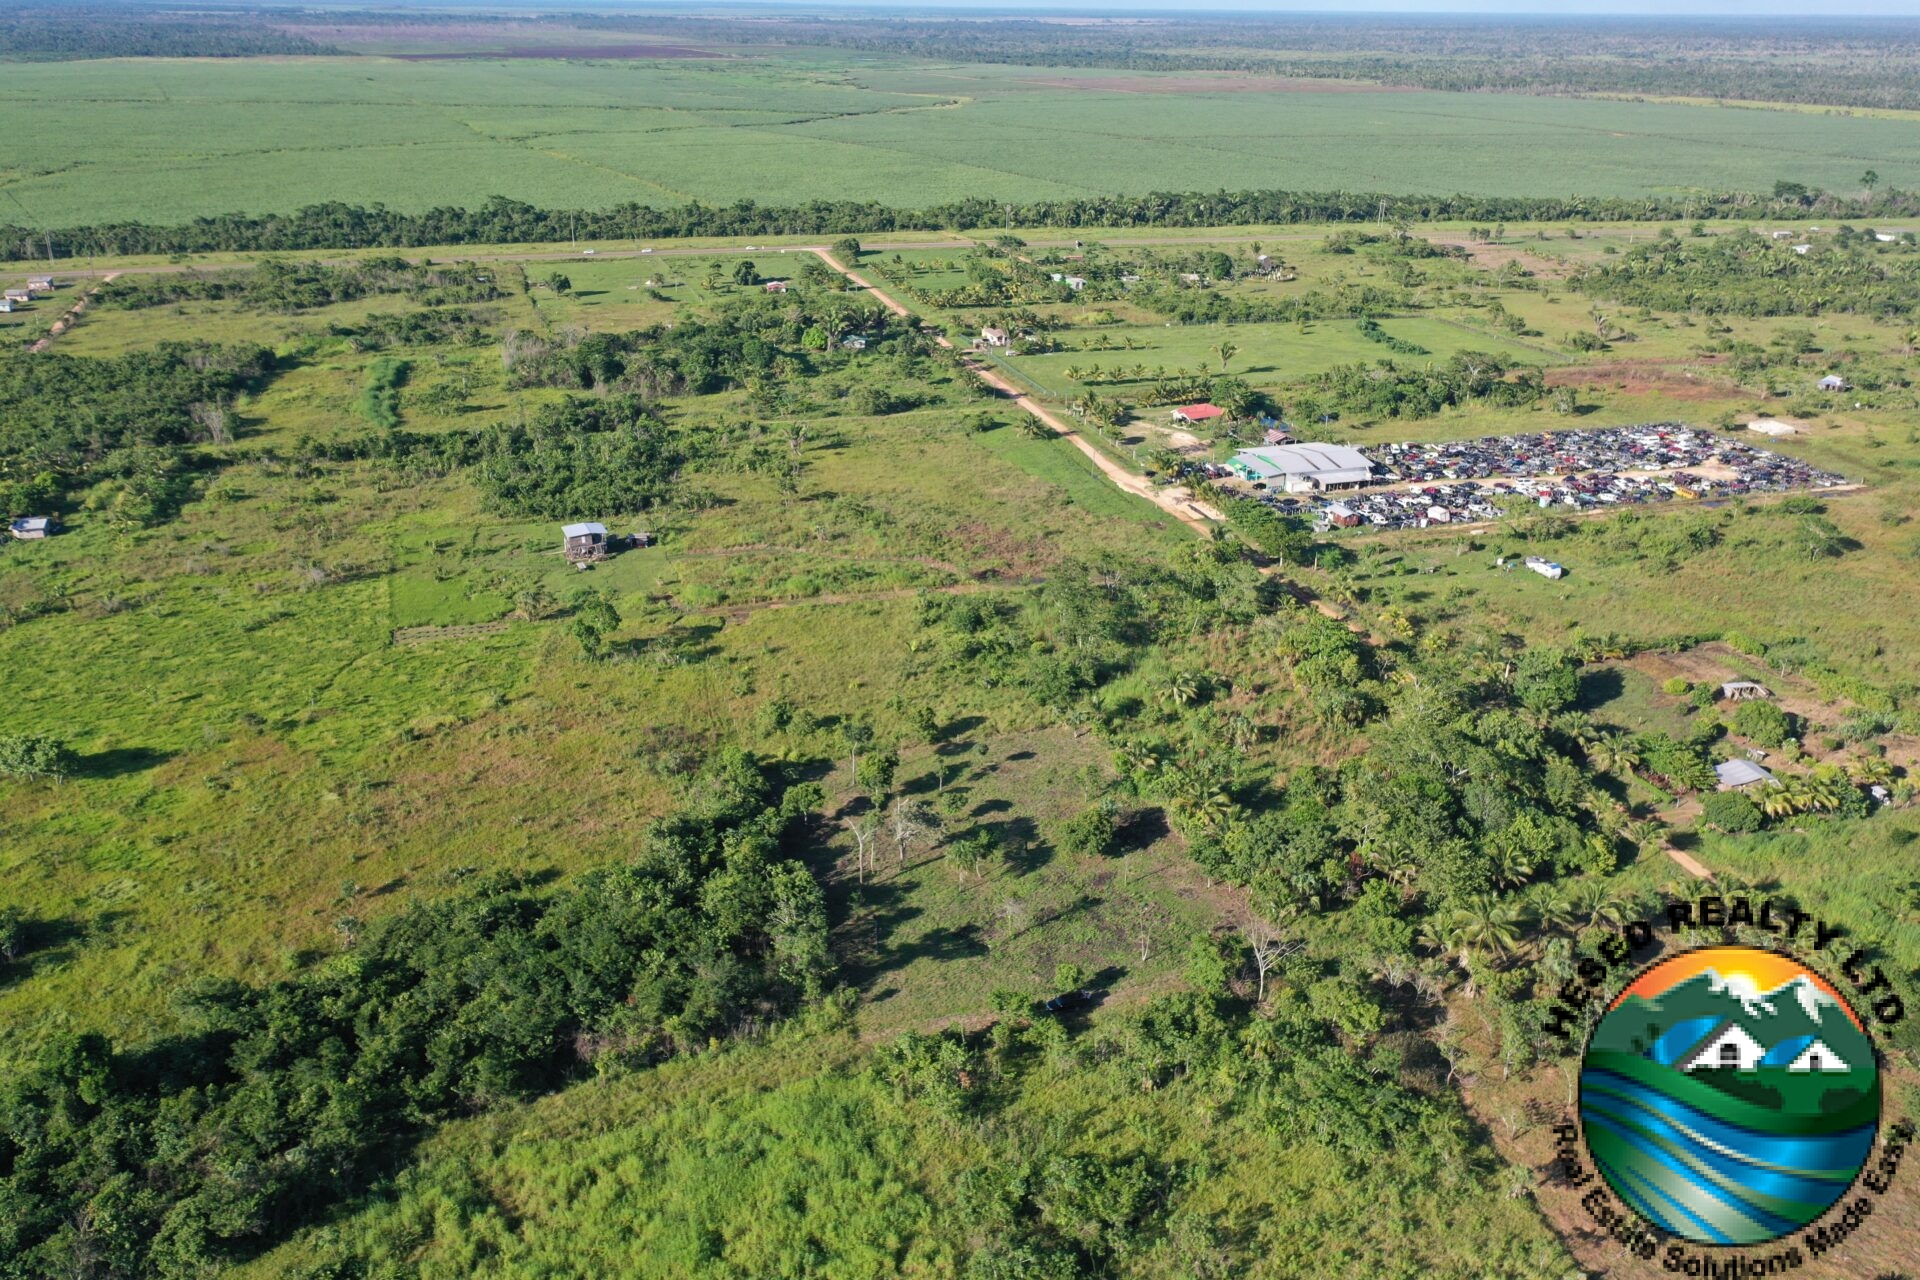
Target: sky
1667,8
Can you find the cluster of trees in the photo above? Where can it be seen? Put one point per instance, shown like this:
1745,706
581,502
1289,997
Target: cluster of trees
73,422
178,1157
1747,274
70,33
1391,390
609,455
748,340
428,328
280,285
504,221
1184,305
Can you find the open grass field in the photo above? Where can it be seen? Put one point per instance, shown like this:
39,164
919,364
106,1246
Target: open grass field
263,770
163,141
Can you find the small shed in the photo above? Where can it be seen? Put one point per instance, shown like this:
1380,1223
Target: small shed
1833,382
1735,775
1546,568
994,337
1342,516
40,282
34,528
584,541
853,342
6,305
1075,283
18,295
776,286
1744,690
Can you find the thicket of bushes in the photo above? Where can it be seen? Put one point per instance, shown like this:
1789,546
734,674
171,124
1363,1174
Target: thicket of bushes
176,1157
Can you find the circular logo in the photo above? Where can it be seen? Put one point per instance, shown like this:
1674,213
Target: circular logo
1730,1095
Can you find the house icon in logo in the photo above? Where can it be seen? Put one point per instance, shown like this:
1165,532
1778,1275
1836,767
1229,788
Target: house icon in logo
1730,1046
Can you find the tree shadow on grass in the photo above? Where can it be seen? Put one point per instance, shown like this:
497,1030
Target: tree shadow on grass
1600,686
1141,829
1023,849
118,762
48,942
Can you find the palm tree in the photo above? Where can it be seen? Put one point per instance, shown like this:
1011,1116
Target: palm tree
1512,867
1226,351
1778,802
1554,910
1482,925
1613,753
1181,689
1870,771
1597,903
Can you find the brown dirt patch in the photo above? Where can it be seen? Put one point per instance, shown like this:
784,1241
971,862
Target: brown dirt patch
1496,256
1694,380
1214,82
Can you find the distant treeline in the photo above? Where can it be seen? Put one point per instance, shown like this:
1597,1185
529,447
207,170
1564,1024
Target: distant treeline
504,221
1830,60
54,35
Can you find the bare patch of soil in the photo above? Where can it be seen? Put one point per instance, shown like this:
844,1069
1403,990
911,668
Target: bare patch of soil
1695,380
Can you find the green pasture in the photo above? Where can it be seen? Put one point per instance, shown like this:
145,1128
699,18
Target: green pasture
159,140
1269,356
266,763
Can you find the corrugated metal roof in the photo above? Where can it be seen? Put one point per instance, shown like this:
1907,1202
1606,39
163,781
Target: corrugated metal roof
1740,773
583,529
1314,459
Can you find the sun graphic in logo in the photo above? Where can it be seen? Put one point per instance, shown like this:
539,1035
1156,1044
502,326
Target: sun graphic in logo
1730,1095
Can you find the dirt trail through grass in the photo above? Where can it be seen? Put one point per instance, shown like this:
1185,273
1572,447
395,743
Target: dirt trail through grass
1175,501
72,316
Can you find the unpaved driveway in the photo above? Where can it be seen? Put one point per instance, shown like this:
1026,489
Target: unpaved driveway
1173,499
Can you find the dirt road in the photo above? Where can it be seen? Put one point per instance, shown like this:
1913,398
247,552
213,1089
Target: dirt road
66,321
1173,499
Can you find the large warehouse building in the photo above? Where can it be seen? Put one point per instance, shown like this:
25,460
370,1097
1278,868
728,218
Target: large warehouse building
1304,468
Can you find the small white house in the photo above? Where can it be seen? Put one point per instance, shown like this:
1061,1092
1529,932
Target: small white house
853,342
1075,283
1818,1057
6,305
1833,382
1744,690
1730,1047
993,337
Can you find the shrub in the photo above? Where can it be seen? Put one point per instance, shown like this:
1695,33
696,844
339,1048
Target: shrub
1731,811
1763,722
1678,686
1090,833
36,755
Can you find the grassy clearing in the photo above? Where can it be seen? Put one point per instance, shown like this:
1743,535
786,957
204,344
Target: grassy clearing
164,140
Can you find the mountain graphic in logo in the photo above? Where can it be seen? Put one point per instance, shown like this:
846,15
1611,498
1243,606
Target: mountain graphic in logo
1730,1095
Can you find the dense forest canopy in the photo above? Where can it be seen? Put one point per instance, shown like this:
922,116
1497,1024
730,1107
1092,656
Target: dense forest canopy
339,225
1841,61
45,34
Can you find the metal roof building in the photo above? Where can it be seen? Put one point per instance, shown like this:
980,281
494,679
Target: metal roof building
1306,468
1734,774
